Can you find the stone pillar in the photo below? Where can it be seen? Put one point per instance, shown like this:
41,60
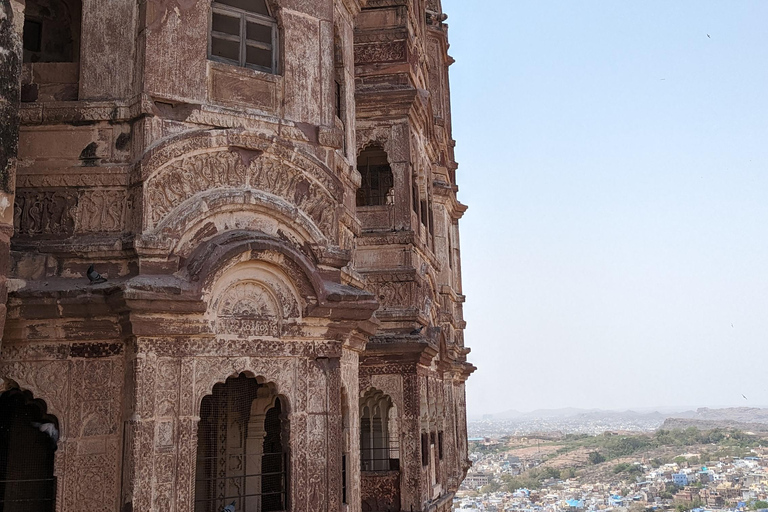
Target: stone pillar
11,28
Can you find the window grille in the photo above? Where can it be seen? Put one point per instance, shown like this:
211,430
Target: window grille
379,433
378,453
28,440
243,33
377,184
241,454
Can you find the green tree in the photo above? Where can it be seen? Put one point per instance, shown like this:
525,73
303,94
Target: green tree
596,458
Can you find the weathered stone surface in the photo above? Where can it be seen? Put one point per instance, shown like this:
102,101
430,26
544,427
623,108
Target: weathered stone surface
220,203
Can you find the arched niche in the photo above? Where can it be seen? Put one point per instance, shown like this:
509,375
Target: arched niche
29,438
242,447
254,298
379,432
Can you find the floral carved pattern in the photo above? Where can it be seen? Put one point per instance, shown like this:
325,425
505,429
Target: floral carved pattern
186,177
248,309
380,491
380,52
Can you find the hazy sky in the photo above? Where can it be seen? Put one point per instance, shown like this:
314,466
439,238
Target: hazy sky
615,162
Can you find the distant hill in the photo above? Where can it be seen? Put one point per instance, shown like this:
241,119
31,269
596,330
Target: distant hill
576,413
682,423
743,418
541,414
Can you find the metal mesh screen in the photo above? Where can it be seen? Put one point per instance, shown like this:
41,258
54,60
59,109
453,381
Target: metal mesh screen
377,178
240,457
28,438
378,450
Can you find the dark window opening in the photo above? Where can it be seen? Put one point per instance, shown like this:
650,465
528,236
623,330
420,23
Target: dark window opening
241,455
243,33
415,198
431,220
339,112
344,478
424,449
33,35
51,31
273,462
377,184
440,445
28,441
379,439
423,205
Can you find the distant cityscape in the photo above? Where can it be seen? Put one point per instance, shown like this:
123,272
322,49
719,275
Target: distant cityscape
579,461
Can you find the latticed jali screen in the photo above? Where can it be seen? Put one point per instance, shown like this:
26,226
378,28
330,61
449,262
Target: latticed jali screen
28,439
241,459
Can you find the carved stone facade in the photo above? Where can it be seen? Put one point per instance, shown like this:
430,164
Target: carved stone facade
221,203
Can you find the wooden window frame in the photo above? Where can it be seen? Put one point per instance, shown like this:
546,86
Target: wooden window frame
245,17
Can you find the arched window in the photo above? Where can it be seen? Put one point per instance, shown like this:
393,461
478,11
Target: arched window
379,446
28,441
241,451
244,33
377,187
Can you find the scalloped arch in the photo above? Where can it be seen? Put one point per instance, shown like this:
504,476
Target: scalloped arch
276,378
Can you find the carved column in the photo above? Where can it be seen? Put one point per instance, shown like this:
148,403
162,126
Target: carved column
140,427
410,464
11,27
335,437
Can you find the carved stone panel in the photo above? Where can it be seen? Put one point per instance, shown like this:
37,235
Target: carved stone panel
64,212
391,51
193,174
248,309
44,212
380,491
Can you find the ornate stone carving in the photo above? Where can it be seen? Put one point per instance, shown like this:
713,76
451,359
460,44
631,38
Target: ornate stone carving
101,210
248,309
48,381
380,52
380,491
44,212
66,212
183,178
74,178
395,294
